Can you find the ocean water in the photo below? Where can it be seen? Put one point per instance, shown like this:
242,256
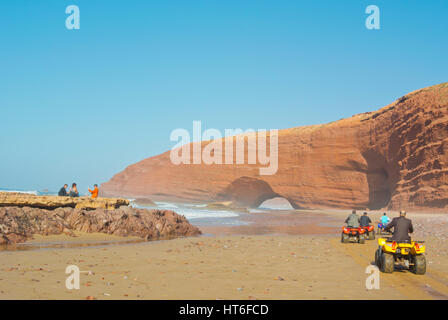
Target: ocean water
35,192
199,215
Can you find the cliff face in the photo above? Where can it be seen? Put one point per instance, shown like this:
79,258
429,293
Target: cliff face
395,158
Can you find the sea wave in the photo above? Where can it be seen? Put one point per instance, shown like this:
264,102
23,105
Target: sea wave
192,212
166,205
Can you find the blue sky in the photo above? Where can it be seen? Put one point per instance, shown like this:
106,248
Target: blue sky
81,105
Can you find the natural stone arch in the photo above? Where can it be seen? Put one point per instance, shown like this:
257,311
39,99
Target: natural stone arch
250,192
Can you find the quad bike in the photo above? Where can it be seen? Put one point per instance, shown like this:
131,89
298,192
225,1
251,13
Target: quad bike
369,232
380,228
406,253
350,234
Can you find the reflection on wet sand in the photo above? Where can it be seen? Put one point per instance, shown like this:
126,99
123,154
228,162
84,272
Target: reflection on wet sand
278,222
63,245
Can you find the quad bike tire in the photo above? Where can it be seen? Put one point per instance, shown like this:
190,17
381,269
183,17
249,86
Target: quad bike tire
345,238
419,266
361,239
378,253
372,235
387,263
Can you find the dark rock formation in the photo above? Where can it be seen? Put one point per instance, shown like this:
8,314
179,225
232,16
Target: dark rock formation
18,224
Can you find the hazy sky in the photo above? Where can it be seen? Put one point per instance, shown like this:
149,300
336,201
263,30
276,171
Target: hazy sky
81,105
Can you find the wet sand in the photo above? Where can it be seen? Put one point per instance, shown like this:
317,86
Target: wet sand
295,256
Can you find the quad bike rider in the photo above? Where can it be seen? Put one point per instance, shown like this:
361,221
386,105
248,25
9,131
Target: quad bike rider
384,221
353,232
365,222
400,249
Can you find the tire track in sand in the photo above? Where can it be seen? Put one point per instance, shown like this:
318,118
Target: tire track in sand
432,285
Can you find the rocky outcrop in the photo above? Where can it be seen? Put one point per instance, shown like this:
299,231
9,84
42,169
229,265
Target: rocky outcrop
396,158
52,202
19,224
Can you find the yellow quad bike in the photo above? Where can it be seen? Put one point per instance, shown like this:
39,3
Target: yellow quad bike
406,253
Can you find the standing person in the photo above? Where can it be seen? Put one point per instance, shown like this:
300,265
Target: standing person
94,192
352,220
63,191
73,192
402,227
365,220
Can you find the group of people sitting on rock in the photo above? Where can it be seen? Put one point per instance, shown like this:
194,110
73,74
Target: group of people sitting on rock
74,193
401,225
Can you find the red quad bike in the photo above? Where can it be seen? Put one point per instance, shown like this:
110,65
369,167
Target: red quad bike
369,232
350,234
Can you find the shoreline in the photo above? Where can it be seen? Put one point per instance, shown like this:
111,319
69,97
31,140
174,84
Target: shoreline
266,222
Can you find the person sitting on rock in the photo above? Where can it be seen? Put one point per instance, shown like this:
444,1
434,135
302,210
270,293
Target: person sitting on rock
73,192
365,221
63,191
402,227
352,220
94,192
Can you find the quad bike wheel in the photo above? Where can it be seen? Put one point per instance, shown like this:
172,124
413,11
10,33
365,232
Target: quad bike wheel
378,257
387,263
361,239
344,238
419,266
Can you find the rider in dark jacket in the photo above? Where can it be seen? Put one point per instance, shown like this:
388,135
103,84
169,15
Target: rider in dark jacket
365,221
402,227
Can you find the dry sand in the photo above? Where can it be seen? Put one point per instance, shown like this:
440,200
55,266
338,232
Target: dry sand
282,263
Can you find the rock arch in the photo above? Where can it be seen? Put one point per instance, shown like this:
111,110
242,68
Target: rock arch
250,192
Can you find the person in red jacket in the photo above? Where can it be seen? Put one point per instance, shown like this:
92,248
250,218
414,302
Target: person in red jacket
94,192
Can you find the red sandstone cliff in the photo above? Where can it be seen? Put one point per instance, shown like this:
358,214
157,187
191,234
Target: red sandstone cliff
396,157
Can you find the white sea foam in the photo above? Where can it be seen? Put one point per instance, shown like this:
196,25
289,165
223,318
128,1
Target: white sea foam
191,214
195,205
166,205
193,211
255,210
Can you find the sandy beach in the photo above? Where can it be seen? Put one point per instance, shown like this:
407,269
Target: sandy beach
282,260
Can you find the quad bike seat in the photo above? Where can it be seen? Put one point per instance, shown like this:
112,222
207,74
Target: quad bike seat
403,241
